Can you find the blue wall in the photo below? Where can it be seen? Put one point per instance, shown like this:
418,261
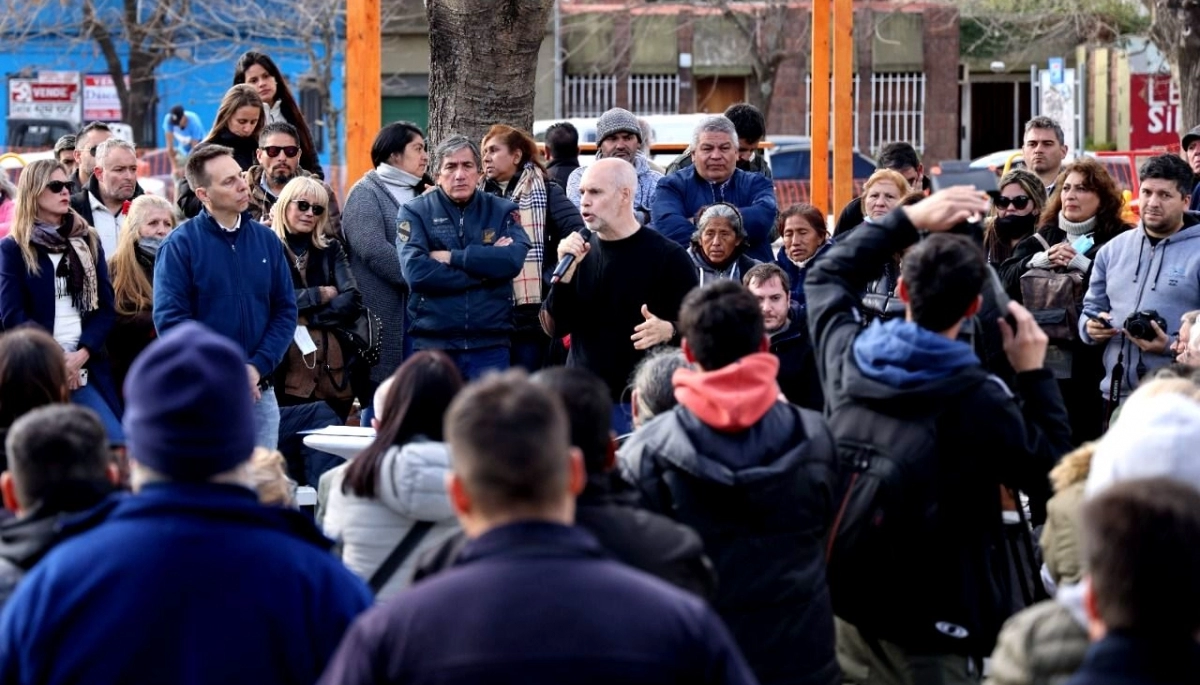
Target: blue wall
198,85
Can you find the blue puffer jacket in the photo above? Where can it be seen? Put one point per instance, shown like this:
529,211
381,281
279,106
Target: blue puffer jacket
466,304
681,194
239,284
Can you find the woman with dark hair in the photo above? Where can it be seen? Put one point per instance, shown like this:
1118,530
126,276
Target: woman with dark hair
1081,217
718,247
398,481
258,70
33,373
369,226
53,274
239,121
805,235
513,169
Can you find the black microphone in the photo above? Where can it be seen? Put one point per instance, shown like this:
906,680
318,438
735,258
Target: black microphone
568,259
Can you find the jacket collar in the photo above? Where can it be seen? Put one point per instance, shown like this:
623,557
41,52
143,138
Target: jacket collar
531,539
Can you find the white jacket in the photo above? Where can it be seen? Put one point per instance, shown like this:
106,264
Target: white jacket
412,487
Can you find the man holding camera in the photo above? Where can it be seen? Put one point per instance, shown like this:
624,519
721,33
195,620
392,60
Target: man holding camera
1144,280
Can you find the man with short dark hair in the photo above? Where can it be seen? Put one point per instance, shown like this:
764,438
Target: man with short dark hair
545,603
58,465
788,336
1153,268
900,157
1141,548
715,177
910,405
459,250
754,476
64,152
1044,150
215,587
278,163
229,272
105,200
751,128
85,153
619,136
562,149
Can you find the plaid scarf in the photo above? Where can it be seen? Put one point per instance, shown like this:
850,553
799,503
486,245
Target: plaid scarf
530,196
77,269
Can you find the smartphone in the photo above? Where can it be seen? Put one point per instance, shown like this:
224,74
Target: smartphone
1001,297
1098,319
83,376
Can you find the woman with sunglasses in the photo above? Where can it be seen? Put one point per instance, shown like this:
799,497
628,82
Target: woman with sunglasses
149,221
327,298
238,123
260,72
1083,214
1014,214
53,275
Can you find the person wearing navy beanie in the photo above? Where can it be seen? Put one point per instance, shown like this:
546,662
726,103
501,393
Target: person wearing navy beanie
189,579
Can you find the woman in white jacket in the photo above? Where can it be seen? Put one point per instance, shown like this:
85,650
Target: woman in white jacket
399,480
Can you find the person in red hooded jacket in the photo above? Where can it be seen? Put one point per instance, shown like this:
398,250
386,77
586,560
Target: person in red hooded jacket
754,475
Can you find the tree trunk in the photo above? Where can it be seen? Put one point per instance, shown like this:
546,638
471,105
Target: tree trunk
483,64
141,111
1175,30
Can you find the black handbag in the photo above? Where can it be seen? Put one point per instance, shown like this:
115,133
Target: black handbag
363,339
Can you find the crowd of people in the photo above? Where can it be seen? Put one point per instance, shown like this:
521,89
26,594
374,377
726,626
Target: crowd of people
631,424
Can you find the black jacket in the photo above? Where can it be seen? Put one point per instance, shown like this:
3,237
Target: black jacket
82,204
985,435
642,539
560,170
798,377
131,333
1123,658
762,501
245,150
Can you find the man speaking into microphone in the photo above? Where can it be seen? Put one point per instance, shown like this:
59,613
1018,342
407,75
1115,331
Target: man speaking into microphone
621,295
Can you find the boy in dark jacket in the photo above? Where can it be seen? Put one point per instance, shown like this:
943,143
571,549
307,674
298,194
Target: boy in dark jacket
754,476
932,607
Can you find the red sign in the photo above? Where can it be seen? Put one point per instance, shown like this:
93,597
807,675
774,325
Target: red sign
1154,111
100,99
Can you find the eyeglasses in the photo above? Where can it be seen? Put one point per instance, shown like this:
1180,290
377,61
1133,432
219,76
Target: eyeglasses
274,150
305,205
57,187
1019,202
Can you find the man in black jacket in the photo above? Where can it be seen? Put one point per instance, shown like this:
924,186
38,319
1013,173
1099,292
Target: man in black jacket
788,335
562,149
908,393
754,476
59,465
104,201
607,508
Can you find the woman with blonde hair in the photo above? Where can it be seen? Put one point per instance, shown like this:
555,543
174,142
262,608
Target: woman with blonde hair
1014,215
327,298
239,121
149,221
53,274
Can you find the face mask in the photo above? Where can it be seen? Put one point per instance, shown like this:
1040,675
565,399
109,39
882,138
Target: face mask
150,245
1013,227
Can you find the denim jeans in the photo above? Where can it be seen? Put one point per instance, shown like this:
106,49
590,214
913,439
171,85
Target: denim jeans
88,396
473,364
305,464
266,420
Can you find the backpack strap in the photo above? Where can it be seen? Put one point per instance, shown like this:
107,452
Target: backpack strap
1042,240
402,551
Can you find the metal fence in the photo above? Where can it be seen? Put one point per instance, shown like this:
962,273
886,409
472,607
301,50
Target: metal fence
654,93
897,110
590,95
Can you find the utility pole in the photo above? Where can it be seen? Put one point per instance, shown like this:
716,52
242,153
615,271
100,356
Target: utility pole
843,102
363,73
818,106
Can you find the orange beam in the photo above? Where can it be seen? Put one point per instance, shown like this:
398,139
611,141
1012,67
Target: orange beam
364,64
819,167
843,102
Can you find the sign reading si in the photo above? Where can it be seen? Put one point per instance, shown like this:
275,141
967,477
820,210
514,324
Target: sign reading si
1154,111
34,99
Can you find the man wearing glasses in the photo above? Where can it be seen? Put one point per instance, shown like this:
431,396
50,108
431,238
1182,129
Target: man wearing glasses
86,142
279,162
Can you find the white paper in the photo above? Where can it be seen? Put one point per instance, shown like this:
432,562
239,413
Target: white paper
304,341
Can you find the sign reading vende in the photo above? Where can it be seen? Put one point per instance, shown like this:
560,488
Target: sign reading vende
35,99
100,100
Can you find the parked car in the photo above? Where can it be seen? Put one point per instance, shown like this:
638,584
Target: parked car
791,167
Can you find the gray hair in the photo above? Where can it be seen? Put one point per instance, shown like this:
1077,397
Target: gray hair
652,381
111,144
1047,122
720,210
714,124
452,145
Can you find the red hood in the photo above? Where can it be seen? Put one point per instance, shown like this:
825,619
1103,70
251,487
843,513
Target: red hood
732,398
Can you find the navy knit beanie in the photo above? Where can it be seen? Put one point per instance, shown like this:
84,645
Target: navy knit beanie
188,412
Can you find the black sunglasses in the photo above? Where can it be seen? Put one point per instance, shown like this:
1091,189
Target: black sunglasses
274,150
1019,202
305,205
57,187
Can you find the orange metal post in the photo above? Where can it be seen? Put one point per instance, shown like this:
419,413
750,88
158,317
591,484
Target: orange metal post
843,103
819,106
363,100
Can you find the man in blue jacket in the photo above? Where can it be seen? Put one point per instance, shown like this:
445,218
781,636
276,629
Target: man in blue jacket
190,579
459,249
229,272
714,177
531,598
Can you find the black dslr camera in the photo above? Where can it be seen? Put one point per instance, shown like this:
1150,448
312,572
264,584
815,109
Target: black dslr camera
1138,324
